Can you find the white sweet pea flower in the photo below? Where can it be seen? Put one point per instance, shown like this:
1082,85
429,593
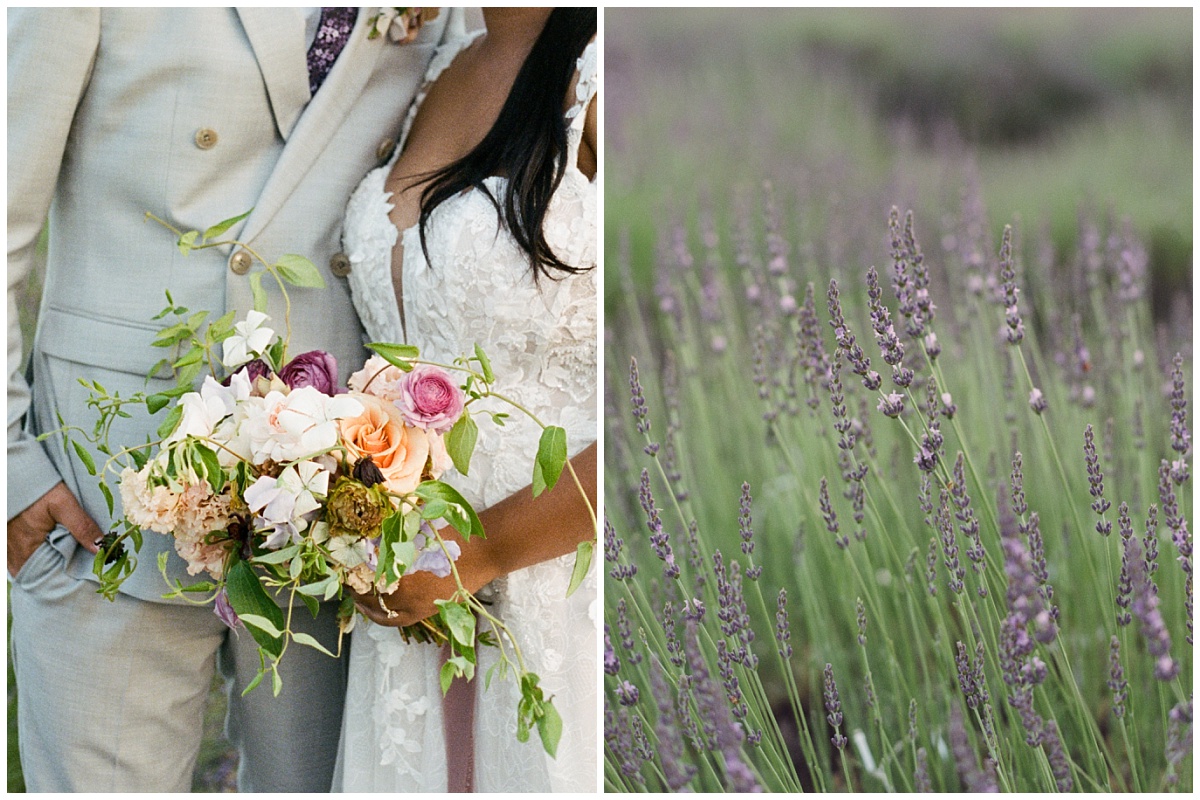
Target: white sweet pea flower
283,502
250,339
204,410
296,425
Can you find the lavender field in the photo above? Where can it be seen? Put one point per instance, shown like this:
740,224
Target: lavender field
897,485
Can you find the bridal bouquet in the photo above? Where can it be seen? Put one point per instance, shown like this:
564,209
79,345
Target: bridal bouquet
278,484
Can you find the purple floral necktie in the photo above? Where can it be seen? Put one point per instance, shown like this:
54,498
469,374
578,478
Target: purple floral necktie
333,31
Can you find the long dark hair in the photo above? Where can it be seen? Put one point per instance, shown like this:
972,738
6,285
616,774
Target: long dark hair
527,144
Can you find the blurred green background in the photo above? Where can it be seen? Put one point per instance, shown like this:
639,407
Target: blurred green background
1059,111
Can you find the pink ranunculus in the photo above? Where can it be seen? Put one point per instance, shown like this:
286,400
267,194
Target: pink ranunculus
429,399
316,368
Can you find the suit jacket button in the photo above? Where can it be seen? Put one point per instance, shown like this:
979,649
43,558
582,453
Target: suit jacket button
384,150
339,265
241,262
206,138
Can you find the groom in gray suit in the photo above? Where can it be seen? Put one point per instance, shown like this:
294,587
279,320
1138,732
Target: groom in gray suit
195,115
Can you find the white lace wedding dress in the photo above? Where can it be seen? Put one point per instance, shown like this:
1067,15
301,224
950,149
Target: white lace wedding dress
541,340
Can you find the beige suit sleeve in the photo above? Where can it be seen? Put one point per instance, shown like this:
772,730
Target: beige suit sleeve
50,57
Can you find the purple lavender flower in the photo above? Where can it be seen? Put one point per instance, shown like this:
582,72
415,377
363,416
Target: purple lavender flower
782,627
1037,401
969,524
1060,765
659,540
640,411
746,531
1181,438
920,283
1180,536
921,776
613,545
612,663
885,334
945,527
669,733
1179,737
831,520
860,364
673,645
1145,608
1019,506
1116,678
892,404
626,633
1012,314
861,614
627,693
1125,581
974,779
833,707
1096,479
931,567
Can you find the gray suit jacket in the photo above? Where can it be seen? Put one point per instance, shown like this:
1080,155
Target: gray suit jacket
195,115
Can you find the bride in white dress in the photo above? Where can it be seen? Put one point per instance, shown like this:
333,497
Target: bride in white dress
465,268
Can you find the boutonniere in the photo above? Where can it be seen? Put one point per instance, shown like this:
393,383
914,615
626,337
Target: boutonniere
400,24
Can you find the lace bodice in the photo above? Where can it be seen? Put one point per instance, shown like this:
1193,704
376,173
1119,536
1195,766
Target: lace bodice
477,287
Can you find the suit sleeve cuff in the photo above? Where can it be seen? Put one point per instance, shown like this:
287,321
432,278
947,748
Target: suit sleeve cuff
30,473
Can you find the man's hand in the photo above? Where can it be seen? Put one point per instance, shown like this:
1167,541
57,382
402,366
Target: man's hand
29,529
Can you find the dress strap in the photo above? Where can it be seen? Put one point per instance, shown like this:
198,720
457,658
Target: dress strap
586,85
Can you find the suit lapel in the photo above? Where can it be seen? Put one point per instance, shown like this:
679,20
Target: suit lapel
318,123
277,38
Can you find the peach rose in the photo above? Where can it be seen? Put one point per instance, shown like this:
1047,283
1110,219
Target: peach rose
399,451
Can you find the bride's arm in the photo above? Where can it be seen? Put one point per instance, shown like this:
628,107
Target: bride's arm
521,531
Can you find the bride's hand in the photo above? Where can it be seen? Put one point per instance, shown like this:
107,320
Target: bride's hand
521,531
413,598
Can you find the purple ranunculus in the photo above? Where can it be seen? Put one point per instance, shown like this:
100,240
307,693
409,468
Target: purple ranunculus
225,612
429,399
316,368
253,370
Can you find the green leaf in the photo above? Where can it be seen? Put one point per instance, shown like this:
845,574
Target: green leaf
224,225
279,556
85,457
220,329
398,355
313,606
435,509
247,596
459,620
254,683
583,560
299,271
430,490
549,726
157,402
212,467
168,337
262,623
276,681
551,458
186,241
196,320
108,496
189,358
447,676
485,366
460,442
304,638
257,292
274,355
320,587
